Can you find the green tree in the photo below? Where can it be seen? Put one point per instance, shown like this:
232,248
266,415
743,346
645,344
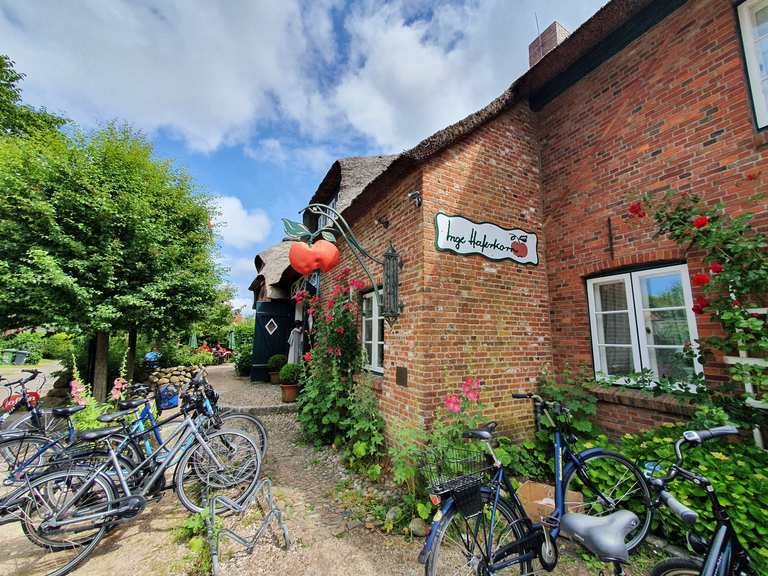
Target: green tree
97,234
15,117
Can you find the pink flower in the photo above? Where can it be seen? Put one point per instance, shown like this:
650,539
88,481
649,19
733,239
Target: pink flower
357,284
329,317
349,306
340,330
330,304
311,312
315,300
337,351
699,305
300,295
330,350
716,268
116,393
471,388
346,271
453,403
308,357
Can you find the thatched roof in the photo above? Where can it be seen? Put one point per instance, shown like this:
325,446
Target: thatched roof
348,177
592,35
270,265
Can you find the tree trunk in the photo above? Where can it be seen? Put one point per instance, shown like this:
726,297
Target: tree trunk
100,370
131,357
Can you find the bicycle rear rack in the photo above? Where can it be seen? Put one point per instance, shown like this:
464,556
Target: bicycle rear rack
269,510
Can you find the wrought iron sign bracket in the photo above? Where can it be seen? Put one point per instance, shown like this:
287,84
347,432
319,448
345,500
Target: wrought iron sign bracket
388,296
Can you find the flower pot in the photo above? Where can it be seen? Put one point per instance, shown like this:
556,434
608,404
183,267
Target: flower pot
290,392
274,377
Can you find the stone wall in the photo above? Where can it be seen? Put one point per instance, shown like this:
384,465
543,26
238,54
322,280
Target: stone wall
172,375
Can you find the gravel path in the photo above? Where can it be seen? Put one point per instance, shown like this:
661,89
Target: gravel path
239,392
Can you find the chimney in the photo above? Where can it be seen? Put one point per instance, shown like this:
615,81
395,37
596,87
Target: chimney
547,41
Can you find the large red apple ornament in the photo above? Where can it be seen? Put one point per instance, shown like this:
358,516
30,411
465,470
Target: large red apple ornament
305,259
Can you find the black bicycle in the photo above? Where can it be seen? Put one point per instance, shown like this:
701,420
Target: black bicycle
723,555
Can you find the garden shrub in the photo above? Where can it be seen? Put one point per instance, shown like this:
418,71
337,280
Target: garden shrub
243,352
276,362
58,346
32,342
290,373
201,358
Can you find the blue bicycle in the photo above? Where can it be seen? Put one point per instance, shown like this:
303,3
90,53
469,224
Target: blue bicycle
602,500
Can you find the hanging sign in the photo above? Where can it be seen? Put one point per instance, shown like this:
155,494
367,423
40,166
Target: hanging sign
463,236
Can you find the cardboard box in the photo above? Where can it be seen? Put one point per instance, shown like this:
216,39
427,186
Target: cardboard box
539,499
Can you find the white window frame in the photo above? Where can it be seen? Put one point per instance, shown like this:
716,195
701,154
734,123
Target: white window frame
746,12
376,339
639,344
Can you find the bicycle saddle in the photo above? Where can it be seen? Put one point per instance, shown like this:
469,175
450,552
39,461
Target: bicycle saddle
131,404
112,416
65,411
98,433
484,433
601,535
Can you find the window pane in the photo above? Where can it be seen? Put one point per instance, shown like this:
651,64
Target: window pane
611,296
367,306
616,361
613,328
761,21
368,350
367,329
666,327
380,360
662,291
381,329
667,363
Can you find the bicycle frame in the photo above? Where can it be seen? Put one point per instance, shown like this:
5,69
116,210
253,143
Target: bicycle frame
69,436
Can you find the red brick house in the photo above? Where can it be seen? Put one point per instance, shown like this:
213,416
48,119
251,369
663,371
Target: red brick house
645,95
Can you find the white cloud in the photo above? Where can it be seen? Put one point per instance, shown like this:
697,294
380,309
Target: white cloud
239,227
225,73
316,158
243,267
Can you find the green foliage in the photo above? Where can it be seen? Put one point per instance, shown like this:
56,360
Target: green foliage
364,429
276,362
16,118
290,373
32,342
243,353
737,470
194,532
59,346
201,358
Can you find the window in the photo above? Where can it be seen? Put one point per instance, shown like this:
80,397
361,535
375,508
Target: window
642,320
753,20
332,203
373,332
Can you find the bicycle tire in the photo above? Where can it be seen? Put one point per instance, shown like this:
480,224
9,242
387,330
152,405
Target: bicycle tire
81,547
17,449
52,426
503,508
249,424
677,567
245,469
640,505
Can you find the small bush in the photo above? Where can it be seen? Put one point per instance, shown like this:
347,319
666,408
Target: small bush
243,353
32,342
276,362
59,346
204,358
289,374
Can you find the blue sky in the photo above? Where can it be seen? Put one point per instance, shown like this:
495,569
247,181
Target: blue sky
256,99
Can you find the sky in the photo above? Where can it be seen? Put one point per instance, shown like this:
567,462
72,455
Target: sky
257,98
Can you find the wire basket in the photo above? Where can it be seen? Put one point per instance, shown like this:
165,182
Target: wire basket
455,469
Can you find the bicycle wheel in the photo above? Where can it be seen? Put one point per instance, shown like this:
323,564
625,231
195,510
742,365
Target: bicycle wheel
607,482
32,547
21,456
460,543
677,567
248,424
51,425
233,473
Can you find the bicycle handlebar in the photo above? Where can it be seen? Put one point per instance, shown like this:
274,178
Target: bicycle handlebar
686,515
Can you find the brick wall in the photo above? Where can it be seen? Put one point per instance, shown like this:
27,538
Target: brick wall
670,110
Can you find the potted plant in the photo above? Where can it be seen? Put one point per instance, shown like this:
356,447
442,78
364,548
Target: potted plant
289,381
274,364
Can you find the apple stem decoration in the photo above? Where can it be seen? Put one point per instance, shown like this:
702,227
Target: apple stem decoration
312,251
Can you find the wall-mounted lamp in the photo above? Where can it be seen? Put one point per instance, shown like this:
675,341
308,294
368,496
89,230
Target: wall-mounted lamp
415,197
383,220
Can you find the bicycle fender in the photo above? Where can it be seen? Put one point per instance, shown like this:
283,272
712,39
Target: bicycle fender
426,551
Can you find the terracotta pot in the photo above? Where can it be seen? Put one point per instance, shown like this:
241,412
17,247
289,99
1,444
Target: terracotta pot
290,392
274,377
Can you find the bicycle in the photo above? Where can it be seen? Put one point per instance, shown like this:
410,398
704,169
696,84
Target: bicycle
64,513
37,419
486,532
724,555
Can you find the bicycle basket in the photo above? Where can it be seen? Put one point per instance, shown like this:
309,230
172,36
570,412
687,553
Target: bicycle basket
167,397
460,471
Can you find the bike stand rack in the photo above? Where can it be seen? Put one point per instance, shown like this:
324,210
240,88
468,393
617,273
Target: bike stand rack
270,512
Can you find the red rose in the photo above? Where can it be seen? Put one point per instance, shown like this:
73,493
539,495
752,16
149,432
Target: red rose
329,317
716,268
340,330
700,280
636,209
701,221
699,304
308,357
